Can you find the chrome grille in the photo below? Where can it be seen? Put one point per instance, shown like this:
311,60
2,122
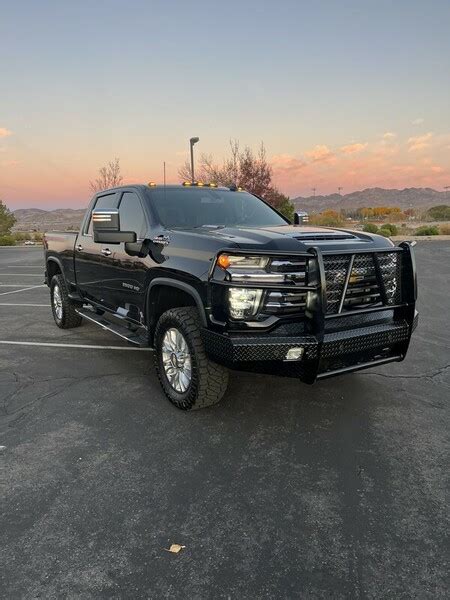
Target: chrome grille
292,271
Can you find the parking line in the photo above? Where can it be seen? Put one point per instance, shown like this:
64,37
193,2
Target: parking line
25,266
23,304
33,287
92,347
22,274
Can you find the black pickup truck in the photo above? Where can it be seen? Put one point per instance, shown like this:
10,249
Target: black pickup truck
214,278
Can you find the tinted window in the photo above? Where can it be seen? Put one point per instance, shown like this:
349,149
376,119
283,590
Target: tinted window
199,207
131,214
107,201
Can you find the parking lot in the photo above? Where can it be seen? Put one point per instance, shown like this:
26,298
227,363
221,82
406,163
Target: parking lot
281,491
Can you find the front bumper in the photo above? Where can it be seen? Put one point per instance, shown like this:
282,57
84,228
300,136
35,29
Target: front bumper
339,351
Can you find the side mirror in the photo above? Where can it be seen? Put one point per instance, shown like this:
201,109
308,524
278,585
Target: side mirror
106,227
301,218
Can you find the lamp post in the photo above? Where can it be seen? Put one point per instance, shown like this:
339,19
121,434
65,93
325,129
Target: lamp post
193,141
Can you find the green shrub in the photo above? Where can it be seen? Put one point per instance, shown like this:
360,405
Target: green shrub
439,213
370,228
392,228
384,231
7,240
427,230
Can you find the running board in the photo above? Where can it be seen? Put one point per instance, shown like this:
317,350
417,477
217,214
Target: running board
130,336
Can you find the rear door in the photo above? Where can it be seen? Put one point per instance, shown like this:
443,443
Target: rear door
124,275
89,263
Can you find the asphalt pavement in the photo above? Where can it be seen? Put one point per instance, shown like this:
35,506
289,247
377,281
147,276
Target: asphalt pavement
337,490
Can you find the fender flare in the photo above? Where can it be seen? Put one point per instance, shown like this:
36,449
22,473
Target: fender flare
56,260
181,285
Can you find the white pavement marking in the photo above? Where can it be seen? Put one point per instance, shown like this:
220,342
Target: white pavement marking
23,304
33,287
25,266
22,274
15,284
54,345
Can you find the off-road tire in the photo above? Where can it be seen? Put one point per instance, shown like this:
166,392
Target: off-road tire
209,380
69,318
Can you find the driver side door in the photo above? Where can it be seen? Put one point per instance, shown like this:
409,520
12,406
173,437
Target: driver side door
124,275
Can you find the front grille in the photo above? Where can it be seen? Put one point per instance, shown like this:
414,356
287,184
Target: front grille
362,280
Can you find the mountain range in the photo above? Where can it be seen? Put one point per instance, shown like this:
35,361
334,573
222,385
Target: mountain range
64,218
407,198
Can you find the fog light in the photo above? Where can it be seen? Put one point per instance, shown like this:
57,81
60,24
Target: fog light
294,353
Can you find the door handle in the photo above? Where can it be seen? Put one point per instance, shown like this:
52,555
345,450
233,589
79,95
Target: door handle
79,247
106,252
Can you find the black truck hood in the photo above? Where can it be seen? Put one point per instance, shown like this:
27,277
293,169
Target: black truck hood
291,238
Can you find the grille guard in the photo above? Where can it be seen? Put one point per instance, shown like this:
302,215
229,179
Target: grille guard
315,317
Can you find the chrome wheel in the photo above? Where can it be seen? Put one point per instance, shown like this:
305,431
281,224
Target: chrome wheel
57,302
176,360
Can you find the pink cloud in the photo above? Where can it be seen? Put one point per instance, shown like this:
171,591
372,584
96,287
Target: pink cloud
320,153
5,132
10,163
353,148
419,142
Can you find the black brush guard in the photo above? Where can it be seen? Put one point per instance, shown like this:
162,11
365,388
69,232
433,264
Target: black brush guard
328,348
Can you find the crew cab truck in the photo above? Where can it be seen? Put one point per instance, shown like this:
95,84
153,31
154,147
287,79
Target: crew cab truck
214,278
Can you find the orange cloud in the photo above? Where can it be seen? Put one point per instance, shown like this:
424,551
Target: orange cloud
5,132
353,148
419,142
10,163
285,164
320,153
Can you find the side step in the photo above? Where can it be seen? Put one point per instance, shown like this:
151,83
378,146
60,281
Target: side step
132,337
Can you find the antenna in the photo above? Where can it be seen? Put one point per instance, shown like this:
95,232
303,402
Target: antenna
164,168
314,191
340,190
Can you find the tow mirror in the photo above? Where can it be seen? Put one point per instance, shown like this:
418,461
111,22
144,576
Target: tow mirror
106,227
300,218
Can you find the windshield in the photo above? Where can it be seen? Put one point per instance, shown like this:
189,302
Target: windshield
201,207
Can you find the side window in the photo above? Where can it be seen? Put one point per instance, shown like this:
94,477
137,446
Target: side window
131,214
107,201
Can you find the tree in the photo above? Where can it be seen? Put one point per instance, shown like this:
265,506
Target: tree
109,177
439,213
245,169
7,219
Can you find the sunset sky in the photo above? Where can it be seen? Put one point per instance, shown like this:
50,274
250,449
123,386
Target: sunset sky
351,93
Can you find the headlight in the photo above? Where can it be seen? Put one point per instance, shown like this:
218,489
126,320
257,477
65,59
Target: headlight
239,262
244,302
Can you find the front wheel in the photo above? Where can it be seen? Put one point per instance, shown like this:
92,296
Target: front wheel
188,377
64,310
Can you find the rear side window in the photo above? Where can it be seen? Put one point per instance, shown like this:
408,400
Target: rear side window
131,214
107,201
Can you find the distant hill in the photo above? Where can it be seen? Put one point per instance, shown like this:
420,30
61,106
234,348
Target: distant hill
43,220
407,198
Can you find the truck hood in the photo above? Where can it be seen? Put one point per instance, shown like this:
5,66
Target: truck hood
291,238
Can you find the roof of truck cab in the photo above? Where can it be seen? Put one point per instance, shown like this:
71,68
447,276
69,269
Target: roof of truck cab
161,186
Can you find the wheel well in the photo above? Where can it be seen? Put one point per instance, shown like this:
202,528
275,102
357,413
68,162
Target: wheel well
162,298
52,269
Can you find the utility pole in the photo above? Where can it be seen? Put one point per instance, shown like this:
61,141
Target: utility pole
340,190
193,141
164,173
314,191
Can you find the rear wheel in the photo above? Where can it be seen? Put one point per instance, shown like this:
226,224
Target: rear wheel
63,308
188,377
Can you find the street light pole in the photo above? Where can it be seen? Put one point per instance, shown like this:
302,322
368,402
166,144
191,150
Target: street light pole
193,141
